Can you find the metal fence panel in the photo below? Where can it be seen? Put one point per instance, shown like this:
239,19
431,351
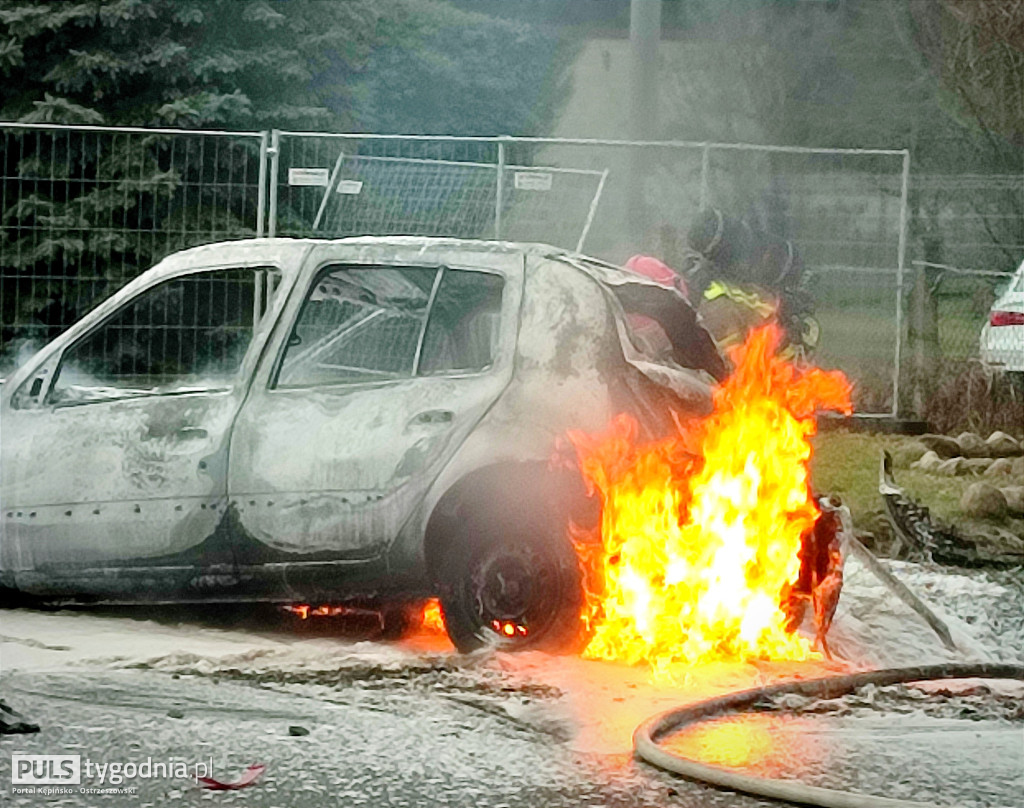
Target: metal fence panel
84,209
954,324
344,185
844,211
648,195
333,186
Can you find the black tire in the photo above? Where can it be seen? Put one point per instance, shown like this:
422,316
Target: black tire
9,598
515,573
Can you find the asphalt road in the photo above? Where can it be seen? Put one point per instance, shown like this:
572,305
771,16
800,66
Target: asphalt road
338,719
418,729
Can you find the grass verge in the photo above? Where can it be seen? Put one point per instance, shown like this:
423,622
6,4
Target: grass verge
846,463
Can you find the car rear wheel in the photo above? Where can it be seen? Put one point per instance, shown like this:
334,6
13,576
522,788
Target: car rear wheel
514,583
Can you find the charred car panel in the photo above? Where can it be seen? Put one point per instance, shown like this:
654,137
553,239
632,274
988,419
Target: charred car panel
382,378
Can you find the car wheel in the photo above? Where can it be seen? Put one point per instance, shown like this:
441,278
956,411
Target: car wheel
511,583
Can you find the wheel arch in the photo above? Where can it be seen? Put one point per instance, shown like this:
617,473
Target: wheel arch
500,492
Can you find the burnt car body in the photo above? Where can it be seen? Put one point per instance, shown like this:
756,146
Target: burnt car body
356,420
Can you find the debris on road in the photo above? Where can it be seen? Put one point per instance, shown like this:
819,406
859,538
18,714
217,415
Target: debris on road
249,776
14,723
913,523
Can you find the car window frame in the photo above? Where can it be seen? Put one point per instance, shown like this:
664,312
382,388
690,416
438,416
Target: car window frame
460,373
327,266
45,397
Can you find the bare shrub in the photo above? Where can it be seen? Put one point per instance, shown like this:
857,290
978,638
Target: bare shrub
968,396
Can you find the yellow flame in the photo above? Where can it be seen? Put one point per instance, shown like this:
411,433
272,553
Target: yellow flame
700,532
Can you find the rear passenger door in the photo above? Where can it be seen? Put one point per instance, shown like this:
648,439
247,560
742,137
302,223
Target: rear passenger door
384,370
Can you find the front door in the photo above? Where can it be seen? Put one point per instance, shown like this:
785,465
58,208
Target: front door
114,452
386,369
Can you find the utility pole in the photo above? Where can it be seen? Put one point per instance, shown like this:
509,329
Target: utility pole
644,33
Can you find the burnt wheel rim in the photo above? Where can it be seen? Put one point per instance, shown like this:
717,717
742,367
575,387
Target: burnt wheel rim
515,593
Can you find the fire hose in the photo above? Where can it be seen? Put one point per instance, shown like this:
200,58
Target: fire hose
645,737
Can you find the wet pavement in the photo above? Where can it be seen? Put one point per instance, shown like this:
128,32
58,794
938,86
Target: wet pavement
340,719
940,761
395,746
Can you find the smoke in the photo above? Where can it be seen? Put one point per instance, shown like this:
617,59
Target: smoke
17,353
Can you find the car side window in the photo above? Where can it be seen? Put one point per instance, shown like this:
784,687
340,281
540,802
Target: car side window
462,333
358,324
187,332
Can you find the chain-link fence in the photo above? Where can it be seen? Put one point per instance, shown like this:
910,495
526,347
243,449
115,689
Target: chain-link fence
969,221
84,209
963,359
954,315
844,212
965,239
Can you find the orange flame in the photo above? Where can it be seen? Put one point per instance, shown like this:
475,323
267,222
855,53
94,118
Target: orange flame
700,532
304,610
433,617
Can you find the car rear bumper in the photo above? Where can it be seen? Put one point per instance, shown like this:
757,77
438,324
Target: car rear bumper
1002,347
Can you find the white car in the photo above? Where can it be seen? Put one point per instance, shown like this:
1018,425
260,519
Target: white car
369,420
1002,338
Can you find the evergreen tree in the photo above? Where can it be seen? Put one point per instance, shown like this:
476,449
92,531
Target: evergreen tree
105,207
217,63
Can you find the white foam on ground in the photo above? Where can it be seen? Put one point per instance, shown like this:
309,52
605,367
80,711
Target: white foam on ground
601,702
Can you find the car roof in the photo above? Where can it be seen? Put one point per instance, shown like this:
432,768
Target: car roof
288,253
298,246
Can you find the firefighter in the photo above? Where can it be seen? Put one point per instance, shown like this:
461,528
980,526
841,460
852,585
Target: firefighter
745,279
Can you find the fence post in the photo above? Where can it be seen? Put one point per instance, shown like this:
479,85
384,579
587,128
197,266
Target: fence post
332,183
592,211
500,190
274,152
901,252
261,191
705,166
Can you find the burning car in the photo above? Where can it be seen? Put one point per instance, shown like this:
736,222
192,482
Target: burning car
364,420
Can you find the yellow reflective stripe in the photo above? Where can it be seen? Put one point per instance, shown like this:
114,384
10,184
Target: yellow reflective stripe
715,290
749,299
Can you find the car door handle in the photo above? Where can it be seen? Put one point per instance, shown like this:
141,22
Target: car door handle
191,433
434,417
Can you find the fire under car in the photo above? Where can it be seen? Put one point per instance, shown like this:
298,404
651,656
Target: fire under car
366,421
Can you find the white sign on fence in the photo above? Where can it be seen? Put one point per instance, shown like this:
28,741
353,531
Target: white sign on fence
533,181
350,186
307,176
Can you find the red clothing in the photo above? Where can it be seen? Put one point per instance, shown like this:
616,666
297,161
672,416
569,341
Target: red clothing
648,330
658,271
